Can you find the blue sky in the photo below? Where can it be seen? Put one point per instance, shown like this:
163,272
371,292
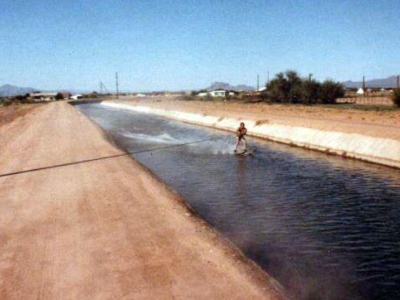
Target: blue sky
172,45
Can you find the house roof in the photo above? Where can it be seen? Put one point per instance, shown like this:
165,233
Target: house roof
42,94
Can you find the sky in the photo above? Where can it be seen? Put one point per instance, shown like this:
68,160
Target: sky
187,44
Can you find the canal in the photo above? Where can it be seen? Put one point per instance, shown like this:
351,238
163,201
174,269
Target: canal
324,226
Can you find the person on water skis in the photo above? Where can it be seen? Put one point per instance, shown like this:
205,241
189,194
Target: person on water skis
241,136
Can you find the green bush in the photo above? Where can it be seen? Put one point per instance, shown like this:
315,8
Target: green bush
330,91
396,97
310,91
285,88
289,87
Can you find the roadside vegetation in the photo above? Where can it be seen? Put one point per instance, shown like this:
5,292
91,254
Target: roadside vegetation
290,88
396,97
285,88
6,101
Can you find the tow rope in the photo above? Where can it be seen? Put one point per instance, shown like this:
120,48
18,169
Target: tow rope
103,158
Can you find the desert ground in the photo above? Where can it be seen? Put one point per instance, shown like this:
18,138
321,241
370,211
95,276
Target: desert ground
12,112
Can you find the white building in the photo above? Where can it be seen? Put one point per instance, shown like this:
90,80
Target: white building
38,96
262,89
218,93
76,97
360,91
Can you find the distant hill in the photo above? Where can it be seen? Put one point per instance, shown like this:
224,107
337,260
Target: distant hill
8,90
227,86
389,82
11,90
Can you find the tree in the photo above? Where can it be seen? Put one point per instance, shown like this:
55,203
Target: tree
295,87
311,90
285,88
60,96
330,91
278,89
289,87
396,97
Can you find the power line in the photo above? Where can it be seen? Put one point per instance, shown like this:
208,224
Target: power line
103,158
258,83
102,86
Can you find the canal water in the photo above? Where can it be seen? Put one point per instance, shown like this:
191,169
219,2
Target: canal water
325,227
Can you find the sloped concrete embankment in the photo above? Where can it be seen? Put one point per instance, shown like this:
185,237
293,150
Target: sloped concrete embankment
379,150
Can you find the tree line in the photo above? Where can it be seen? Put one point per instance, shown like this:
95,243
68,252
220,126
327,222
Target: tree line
290,87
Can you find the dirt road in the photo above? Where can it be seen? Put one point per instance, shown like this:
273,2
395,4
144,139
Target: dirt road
105,229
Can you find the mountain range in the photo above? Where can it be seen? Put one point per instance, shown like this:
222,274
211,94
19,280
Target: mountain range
226,86
389,82
8,90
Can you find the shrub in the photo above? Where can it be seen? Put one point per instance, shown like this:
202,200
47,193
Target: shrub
310,91
289,87
330,91
396,97
285,88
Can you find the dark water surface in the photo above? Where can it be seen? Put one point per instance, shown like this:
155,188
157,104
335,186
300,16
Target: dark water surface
324,226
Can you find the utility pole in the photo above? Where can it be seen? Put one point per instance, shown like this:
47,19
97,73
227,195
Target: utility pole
268,77
258,83
116,84
363,85
101,88
398,82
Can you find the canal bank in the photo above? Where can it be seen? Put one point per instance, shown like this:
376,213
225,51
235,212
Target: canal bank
103,229
374,143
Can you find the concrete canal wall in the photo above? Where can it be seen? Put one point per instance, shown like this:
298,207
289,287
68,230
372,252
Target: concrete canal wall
375,149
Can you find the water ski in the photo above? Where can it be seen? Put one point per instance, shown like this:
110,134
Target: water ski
244,153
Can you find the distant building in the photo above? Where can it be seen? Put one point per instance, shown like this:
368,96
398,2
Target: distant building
76,97
39,96
218,93
360,91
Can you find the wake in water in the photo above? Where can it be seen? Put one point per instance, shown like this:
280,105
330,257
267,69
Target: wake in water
216,147
164,138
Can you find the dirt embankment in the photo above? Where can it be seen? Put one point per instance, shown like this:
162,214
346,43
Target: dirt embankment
12,112
105,229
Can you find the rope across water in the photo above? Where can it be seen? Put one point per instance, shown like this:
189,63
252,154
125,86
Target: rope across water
103,158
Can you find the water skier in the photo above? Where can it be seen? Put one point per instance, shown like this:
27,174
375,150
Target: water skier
241,136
